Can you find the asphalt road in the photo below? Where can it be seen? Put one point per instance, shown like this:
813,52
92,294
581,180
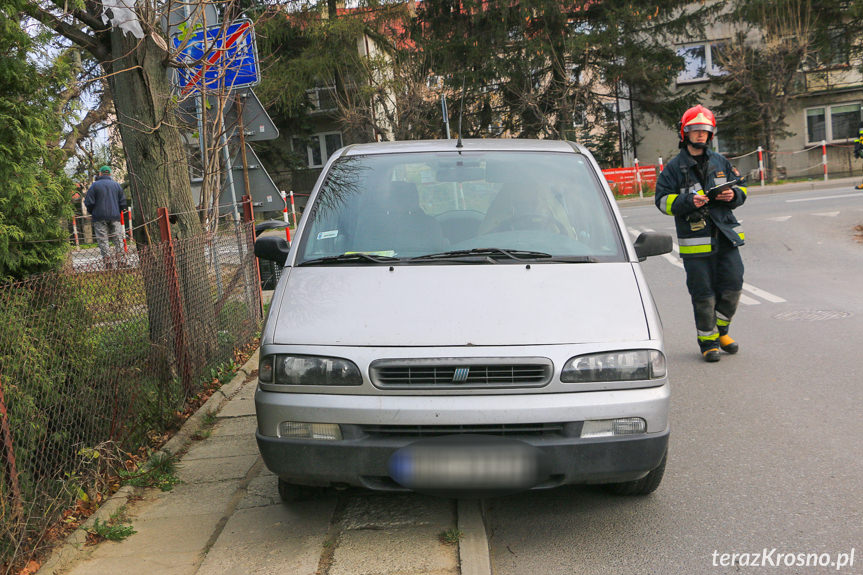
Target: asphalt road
765,451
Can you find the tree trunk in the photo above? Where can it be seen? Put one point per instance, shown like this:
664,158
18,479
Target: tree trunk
771,154
158,171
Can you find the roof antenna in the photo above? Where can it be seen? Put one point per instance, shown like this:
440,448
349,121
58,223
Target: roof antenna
459,144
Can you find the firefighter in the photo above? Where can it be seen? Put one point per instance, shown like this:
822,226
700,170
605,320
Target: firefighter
707,231
858,149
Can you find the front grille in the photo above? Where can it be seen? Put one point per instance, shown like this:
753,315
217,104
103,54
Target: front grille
460,373
509,429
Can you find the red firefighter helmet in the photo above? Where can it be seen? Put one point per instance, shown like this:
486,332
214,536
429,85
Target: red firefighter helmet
697,118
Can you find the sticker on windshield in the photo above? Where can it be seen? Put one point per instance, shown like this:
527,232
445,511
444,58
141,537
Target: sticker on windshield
328,235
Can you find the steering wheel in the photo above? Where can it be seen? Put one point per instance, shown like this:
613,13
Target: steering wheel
531,222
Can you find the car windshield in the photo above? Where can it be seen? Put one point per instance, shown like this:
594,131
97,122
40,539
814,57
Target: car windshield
484,207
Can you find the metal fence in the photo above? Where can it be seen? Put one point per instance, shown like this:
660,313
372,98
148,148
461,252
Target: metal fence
101,353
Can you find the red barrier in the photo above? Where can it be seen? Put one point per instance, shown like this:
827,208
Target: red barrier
624,181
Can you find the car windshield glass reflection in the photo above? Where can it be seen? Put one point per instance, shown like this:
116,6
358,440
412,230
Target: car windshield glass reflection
404,206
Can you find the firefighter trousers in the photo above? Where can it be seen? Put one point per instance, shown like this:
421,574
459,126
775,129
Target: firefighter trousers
714,283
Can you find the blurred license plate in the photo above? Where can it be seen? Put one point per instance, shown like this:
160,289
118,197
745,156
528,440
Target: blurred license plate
466,462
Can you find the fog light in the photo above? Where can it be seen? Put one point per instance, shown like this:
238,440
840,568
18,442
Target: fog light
299,430
613,427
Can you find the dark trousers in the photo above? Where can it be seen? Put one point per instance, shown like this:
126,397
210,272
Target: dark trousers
714,284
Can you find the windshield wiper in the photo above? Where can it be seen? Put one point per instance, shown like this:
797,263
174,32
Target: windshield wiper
518,255
352,258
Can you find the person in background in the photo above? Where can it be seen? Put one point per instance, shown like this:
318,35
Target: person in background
858,150
708,233
104,201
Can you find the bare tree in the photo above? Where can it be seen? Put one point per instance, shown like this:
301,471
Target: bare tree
760,66
136,62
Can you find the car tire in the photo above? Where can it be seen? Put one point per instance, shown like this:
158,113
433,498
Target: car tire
643,486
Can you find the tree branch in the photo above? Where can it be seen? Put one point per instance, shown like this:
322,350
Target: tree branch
70,32
82,129
89,19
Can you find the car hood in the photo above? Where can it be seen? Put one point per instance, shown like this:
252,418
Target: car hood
460,305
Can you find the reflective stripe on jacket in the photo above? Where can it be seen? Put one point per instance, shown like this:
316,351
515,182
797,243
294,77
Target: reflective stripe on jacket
698,229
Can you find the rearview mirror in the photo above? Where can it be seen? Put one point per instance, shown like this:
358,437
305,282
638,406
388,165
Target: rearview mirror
272,248
652,244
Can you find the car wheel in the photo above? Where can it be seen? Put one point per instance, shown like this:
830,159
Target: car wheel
643,486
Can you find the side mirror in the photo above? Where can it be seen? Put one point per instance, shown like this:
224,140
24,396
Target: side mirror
652,244
261,227
272,248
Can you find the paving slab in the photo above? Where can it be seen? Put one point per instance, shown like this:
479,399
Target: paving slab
242,404
245,425
262,491
216,469
186,499
170,535
272,540
388,510
396,551
154,563
222,446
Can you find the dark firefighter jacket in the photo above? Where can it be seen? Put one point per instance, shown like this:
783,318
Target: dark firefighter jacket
858,144
698,230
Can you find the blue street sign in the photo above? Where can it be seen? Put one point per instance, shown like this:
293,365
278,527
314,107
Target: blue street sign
228,59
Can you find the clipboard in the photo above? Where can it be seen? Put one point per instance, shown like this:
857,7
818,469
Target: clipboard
716,190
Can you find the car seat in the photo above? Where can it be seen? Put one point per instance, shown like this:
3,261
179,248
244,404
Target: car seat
396,222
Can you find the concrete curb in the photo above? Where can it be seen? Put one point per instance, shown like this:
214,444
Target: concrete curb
473,552
73,549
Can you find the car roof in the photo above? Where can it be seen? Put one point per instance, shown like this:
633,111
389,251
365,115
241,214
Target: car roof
469,145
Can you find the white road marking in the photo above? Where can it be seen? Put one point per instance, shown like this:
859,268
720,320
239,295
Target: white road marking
828,214
744,299
780,219
762,294
824,198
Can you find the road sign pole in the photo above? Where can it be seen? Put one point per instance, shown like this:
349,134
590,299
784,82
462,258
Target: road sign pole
242,130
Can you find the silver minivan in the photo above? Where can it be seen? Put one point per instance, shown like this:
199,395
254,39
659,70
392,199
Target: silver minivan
462,318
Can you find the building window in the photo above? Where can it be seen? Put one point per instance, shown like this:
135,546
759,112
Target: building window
700,61
610,115
318,147
322,99
835,123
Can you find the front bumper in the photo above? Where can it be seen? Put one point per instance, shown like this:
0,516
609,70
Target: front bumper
365,462
362,459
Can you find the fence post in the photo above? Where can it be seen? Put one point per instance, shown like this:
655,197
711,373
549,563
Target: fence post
249,216
760,166
638,179
10,468
123,233
285,213
75,231
176,300
824,157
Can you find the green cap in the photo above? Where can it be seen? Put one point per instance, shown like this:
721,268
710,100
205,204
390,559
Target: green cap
105,170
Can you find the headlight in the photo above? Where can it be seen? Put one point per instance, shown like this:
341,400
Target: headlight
308,370
628,365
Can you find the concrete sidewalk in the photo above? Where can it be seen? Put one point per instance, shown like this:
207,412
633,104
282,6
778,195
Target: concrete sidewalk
226,516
